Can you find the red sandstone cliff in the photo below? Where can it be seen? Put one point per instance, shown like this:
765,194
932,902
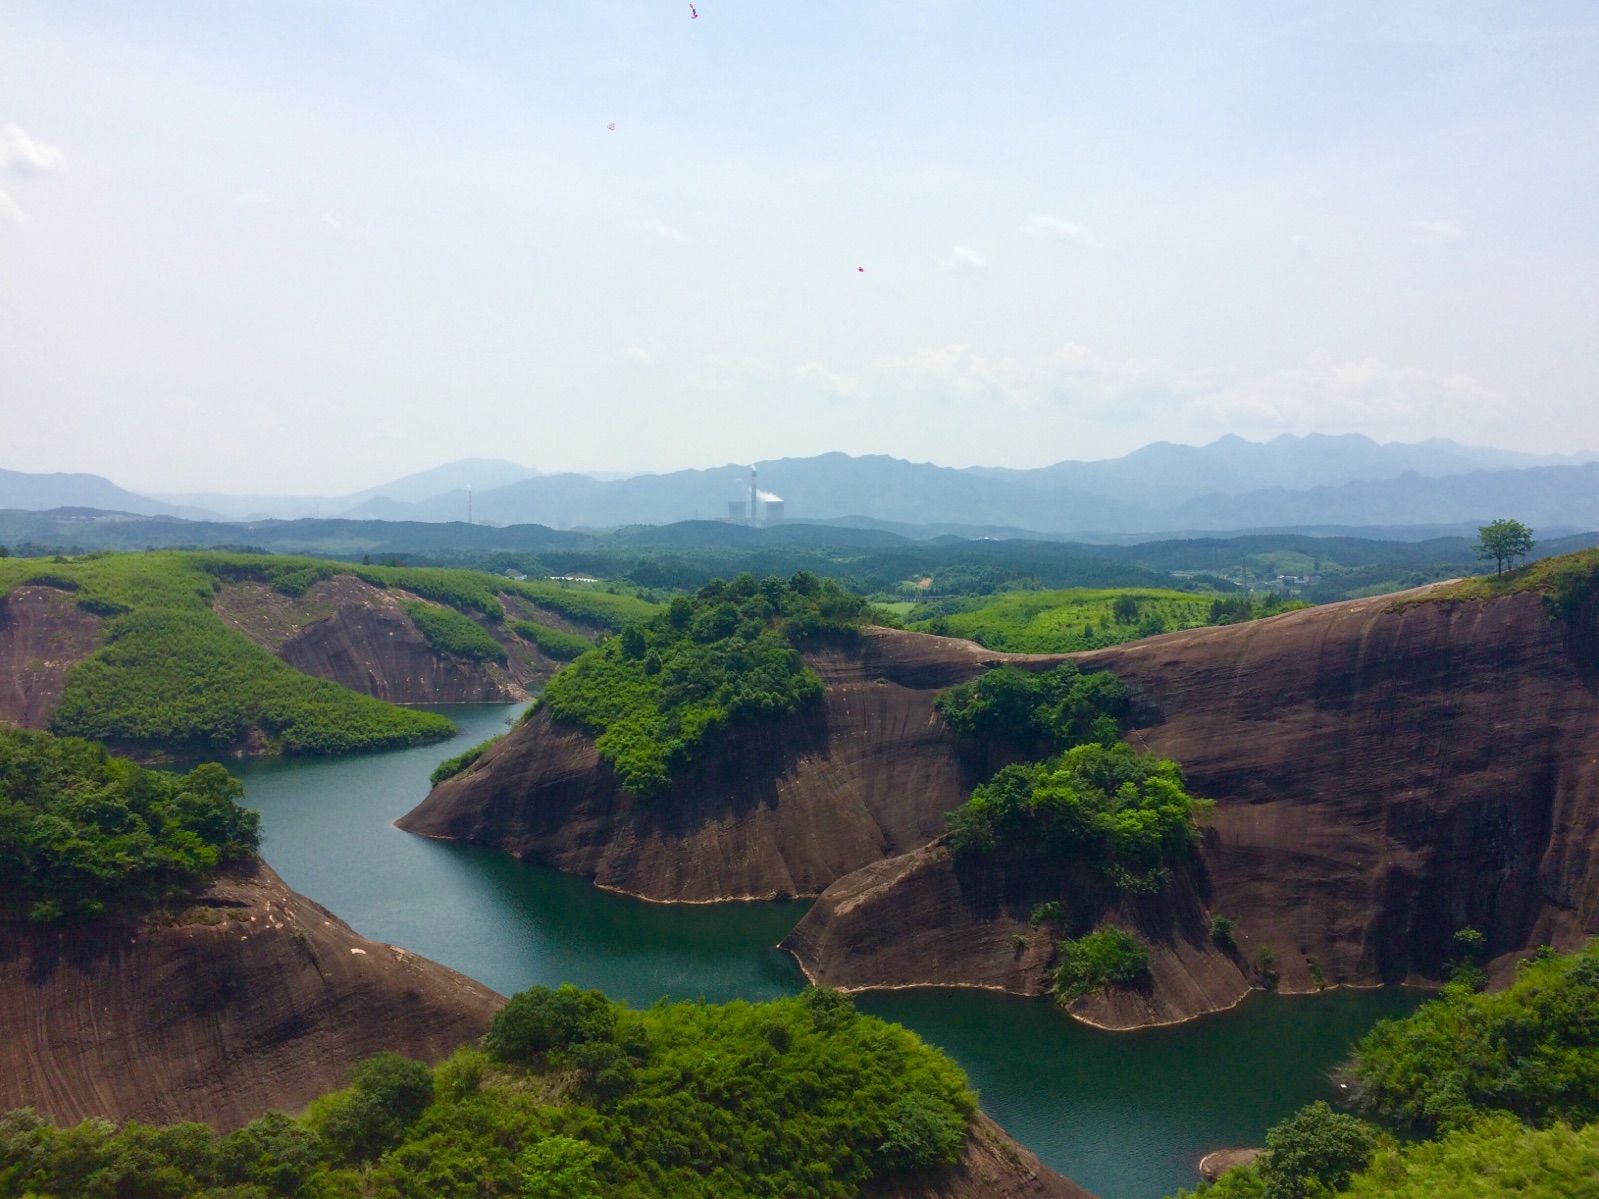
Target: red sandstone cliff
359,636
770,811
253,998
1385,771
43,634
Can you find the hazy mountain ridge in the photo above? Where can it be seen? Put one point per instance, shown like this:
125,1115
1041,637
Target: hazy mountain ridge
1231,483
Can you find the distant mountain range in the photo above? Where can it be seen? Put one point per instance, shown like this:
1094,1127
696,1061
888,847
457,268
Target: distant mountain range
1315,480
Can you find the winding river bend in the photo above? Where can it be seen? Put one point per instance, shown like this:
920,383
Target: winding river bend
1126,1114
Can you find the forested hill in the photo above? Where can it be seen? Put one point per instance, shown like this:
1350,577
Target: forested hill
871,561
206,652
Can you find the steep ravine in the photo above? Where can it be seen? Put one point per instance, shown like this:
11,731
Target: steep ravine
358,635
1385,772
780,810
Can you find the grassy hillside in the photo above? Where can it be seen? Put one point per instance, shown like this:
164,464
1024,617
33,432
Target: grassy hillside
171,675
82,832
1046,622
571,1097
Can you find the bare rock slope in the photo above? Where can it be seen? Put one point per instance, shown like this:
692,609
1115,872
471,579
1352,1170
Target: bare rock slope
1385,772
43,634
253,998
778,810
359,636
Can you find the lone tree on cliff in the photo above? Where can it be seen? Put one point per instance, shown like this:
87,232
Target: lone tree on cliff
1503,541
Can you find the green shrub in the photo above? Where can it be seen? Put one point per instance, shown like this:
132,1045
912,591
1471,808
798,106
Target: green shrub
563,647
1066,621
1314,1151
1497,1156
1042,711
451,633
82,832
451,767
1048,912
653,695
540,1021
1531,1050
1118,809
1106,957
1221,933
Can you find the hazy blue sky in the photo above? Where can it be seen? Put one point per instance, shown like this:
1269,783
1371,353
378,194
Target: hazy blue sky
309,246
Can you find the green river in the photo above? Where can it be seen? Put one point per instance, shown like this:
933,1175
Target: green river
1126,1114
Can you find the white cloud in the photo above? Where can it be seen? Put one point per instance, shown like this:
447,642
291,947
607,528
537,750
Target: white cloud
652,227
20,154
1436,233
964,258
1320,395
639,355
1054,228
252,197
1366,394
839,386
1072,376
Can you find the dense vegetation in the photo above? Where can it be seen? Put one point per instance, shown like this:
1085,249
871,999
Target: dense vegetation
1046,622
1108,956
1506,1085
872,562
183,679
1125,813
1038,711
83,833
454,634
451,767
1531,1050
571,1097
554,643
656,692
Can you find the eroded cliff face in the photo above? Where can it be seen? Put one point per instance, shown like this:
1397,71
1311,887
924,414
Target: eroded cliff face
925,918
43,634
777,810
359,636
253,998
1385,772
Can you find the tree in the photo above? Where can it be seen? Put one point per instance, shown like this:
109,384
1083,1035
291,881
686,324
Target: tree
1316,1150
1503,541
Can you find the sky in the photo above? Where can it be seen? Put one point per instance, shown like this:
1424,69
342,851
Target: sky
304,247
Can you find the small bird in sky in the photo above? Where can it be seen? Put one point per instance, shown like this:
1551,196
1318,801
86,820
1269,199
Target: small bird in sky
612,126
693,13
861,269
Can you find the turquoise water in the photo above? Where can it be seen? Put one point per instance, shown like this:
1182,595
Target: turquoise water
1125,1114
